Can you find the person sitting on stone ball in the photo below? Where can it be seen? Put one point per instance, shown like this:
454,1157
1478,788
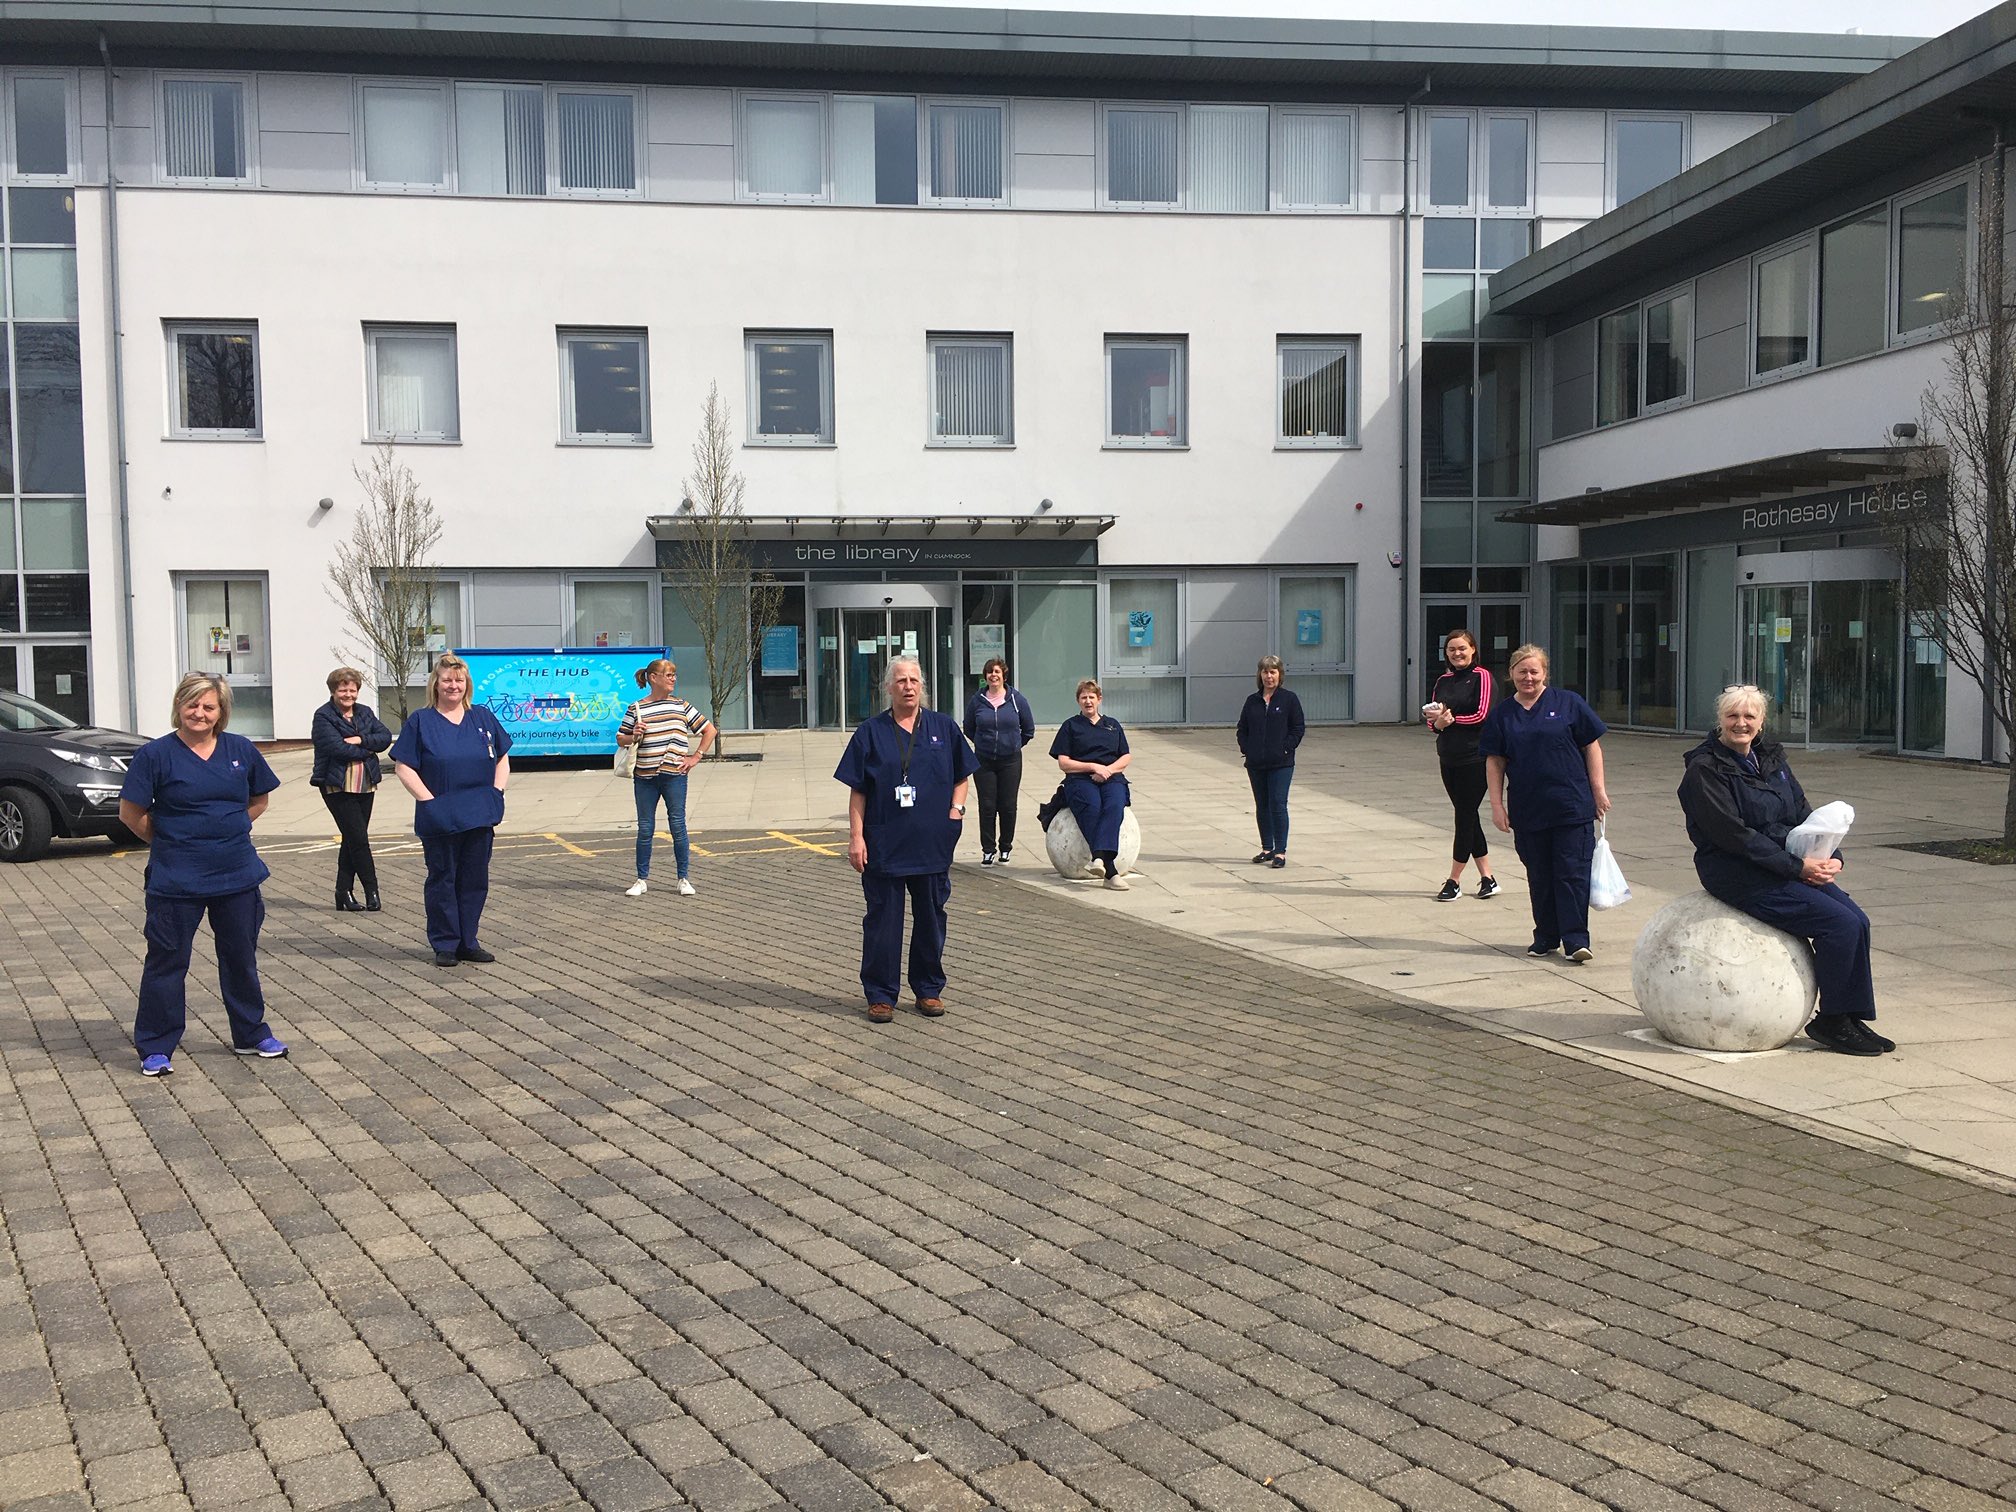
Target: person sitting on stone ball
1741,800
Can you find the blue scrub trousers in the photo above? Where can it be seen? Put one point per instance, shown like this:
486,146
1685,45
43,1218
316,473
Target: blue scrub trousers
668,788
1098,807
458,884
882,934
1839,931
1270,805
1557,881
164,979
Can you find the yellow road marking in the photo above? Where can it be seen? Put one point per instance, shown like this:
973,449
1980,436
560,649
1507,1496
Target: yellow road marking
570,845
793,840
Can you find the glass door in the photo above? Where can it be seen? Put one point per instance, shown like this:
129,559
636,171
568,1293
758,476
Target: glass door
1501,630
1854,662
1775,655
869,640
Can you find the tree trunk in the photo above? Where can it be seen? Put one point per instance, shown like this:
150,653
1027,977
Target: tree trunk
2009,810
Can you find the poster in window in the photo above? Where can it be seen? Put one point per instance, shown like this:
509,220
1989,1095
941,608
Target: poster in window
983,643
1308,627
220,640
1140,628
780,651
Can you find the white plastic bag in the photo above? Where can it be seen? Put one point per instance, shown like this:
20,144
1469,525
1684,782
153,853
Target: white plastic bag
1821,832
625,764
1607,887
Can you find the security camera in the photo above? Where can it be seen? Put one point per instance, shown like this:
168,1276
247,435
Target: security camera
1395,558
887,602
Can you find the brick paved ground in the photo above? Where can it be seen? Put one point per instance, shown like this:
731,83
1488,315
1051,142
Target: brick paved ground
648,1215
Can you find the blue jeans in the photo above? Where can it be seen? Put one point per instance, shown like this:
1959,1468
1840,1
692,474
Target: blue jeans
670,788
1270,805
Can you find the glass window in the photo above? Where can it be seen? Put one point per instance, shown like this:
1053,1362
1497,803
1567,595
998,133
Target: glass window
6,422
1503,242
1931,258
1617,367
604,379
214,380
1445,421
413,395
791,388
1450,242
53,536
45,284
56,601
874,149
49,409
595,141
1316,160
1228,157
500,139
972,390
785,150
1501,421
10,619
1448,306
1318,392
203,130
1449,161
1669,342
1144,392
1854,280
405,136
1143,156
1445,533
41,126
225,632
1507,159
437,626
1649,151
965,144
611,613
1142,634
48,216
1313,620
7,560
1784,309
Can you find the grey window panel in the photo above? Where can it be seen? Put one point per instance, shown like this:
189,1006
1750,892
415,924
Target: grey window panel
694,174
516,608
304,160
1721,362
1722,300
1053,182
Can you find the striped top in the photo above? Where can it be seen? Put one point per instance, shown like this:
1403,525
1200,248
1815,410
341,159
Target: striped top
667,731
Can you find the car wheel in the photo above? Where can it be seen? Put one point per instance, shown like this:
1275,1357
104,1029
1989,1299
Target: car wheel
24,825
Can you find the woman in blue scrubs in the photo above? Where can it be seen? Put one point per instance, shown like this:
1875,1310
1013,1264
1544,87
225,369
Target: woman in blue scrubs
192,796
452,757
1547,743
1092,752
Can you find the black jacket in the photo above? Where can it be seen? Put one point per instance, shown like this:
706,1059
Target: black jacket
331,732
1467,695
1268,735
1738,822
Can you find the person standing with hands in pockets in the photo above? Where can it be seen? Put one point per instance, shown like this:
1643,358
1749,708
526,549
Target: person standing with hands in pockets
906,770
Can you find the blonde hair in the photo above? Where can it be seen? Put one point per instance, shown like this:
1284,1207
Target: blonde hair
662,664
1742,693
1268,664
1528,652
193,686
346,674
447,661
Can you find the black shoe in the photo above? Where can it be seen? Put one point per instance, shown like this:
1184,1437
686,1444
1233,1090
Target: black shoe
1488,888
1843,1035
1002,859
371,903
1265,858
346,901
1450,892
1887,1044
1541,952
445,958
475,953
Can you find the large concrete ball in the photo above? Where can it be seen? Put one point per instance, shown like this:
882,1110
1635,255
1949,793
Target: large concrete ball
1711,977
1071,855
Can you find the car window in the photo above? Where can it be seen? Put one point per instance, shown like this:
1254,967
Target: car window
18,713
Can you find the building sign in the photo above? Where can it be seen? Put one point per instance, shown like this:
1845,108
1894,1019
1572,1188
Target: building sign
780,651
947,550
558,702
1874,507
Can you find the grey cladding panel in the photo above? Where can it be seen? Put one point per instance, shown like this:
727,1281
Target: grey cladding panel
1721,363
304,160
1571,364
304,102
1722,299
516,608
692,173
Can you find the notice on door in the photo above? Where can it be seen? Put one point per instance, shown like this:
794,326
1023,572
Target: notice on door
1781,631
983,643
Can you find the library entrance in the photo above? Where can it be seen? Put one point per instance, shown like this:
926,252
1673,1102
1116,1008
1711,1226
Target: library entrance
859,628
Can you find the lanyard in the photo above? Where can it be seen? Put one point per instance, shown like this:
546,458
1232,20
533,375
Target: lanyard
909,738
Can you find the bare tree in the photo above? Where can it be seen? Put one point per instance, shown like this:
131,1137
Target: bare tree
1960,560
730,603
382,578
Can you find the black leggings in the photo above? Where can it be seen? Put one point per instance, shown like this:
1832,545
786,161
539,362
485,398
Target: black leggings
352,813
1465,785
999,779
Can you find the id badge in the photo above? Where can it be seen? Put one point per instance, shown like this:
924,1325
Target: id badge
906,795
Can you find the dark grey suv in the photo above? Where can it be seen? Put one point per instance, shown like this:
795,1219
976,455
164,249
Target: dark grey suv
57,778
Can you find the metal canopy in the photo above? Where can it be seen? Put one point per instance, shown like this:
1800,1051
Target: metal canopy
1770,478
1044,525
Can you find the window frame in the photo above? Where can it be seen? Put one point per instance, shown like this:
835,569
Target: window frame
925,105
1347,574
454,88
178,427
249,92
653,600
1481,152
1277,200
376,434
823,100
1809,241
1426,205
10,167
1179,639
933,341
463,585
1104,147
752,392
1353,360
1612,161
1180,441
1646,404
444,92
1893,336
639,140
571,433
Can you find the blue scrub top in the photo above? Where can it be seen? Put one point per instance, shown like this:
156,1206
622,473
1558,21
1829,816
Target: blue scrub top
1102,744
458,762
919,840
202,844
1546,778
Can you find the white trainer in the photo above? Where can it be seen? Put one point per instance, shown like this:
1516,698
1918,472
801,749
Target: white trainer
1118,882
637,889
685,888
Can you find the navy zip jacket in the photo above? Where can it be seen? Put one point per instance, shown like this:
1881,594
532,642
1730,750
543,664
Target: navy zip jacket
997,732
1738,821
331,732
1269,733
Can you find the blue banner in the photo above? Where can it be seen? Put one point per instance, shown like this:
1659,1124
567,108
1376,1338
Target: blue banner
558,703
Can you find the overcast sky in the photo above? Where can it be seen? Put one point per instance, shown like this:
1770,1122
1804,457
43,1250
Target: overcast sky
1926,18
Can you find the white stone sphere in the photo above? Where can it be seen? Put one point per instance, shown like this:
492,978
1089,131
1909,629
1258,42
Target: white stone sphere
1711,977
1071,855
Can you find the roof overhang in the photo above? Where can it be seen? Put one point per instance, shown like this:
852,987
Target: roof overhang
1767,478
1041,524
1941,98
